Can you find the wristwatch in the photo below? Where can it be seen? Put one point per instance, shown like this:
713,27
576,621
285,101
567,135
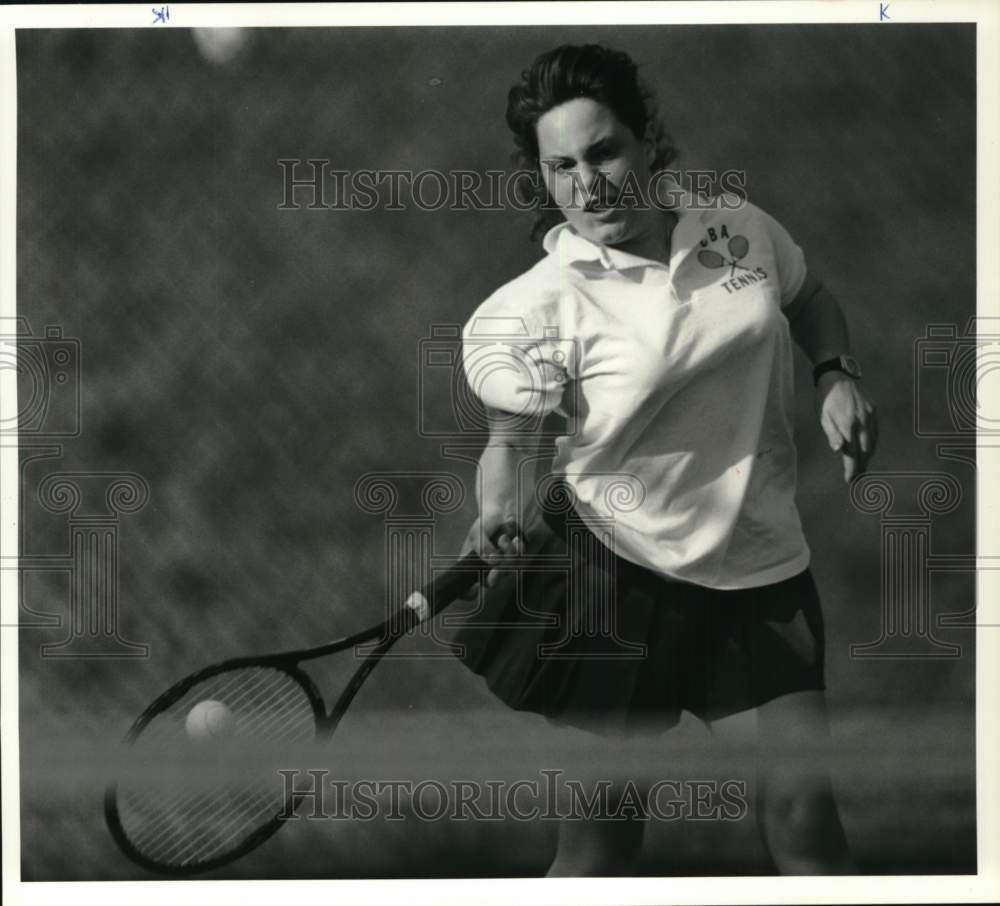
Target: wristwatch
846,363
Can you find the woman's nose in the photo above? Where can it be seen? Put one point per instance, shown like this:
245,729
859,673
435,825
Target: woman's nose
591,183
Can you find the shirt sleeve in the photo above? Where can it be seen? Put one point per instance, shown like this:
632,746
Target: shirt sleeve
790,260
515,362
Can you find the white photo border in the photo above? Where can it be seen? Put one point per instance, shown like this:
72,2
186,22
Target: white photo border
983,887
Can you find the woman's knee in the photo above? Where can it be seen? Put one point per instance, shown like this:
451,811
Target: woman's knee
798,815
597,847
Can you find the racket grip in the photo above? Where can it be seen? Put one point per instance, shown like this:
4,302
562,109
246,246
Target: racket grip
444,588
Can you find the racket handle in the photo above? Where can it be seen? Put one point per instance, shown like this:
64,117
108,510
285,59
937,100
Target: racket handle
444,588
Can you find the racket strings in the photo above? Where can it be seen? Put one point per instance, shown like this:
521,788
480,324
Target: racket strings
163,729
188,798
191,807
228,820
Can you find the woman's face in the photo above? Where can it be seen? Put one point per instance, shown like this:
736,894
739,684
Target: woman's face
586,153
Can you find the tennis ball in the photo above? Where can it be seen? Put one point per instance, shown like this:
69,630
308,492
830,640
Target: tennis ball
210,721
221,45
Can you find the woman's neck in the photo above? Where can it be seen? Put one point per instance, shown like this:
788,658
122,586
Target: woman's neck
654,242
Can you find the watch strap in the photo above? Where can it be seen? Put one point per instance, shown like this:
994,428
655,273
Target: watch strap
843,363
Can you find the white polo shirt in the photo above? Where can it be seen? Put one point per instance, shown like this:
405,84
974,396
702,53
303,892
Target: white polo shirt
679,384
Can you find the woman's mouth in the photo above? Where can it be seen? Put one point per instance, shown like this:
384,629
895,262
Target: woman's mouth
603,212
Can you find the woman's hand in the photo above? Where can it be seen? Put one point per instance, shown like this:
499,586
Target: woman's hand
491,536
848,420
818,325
509,515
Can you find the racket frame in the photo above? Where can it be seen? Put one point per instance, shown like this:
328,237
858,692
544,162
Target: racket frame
418,608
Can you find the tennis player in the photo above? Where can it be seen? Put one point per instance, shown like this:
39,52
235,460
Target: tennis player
660,329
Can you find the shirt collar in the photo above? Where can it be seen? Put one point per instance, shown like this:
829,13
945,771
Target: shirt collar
570,247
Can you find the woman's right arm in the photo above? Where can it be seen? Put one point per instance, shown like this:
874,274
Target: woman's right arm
502,503
521,381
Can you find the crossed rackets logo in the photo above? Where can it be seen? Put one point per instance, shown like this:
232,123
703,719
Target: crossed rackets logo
738,247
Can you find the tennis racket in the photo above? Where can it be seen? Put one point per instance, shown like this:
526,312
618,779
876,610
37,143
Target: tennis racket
182,803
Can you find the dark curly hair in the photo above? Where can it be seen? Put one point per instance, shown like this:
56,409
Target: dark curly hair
571,71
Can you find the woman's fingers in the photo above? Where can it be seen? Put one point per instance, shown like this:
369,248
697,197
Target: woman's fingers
858,451
864,435
502,548
850,424
871,423
834,437
505,547
508,548
868,425
849,465
853,456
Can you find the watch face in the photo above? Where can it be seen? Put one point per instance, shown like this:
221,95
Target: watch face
850,365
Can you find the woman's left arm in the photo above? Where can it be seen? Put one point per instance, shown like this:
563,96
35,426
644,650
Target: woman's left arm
818,325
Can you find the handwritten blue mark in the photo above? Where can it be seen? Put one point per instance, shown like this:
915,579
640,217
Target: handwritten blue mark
161,15
883,12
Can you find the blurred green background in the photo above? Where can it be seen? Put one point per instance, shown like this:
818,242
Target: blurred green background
252,363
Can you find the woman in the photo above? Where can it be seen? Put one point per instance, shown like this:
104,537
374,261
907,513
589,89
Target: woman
661,333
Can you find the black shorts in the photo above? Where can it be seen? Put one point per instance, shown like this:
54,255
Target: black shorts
589,639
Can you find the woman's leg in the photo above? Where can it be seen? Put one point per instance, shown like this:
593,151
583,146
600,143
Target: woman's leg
796,809
597,846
